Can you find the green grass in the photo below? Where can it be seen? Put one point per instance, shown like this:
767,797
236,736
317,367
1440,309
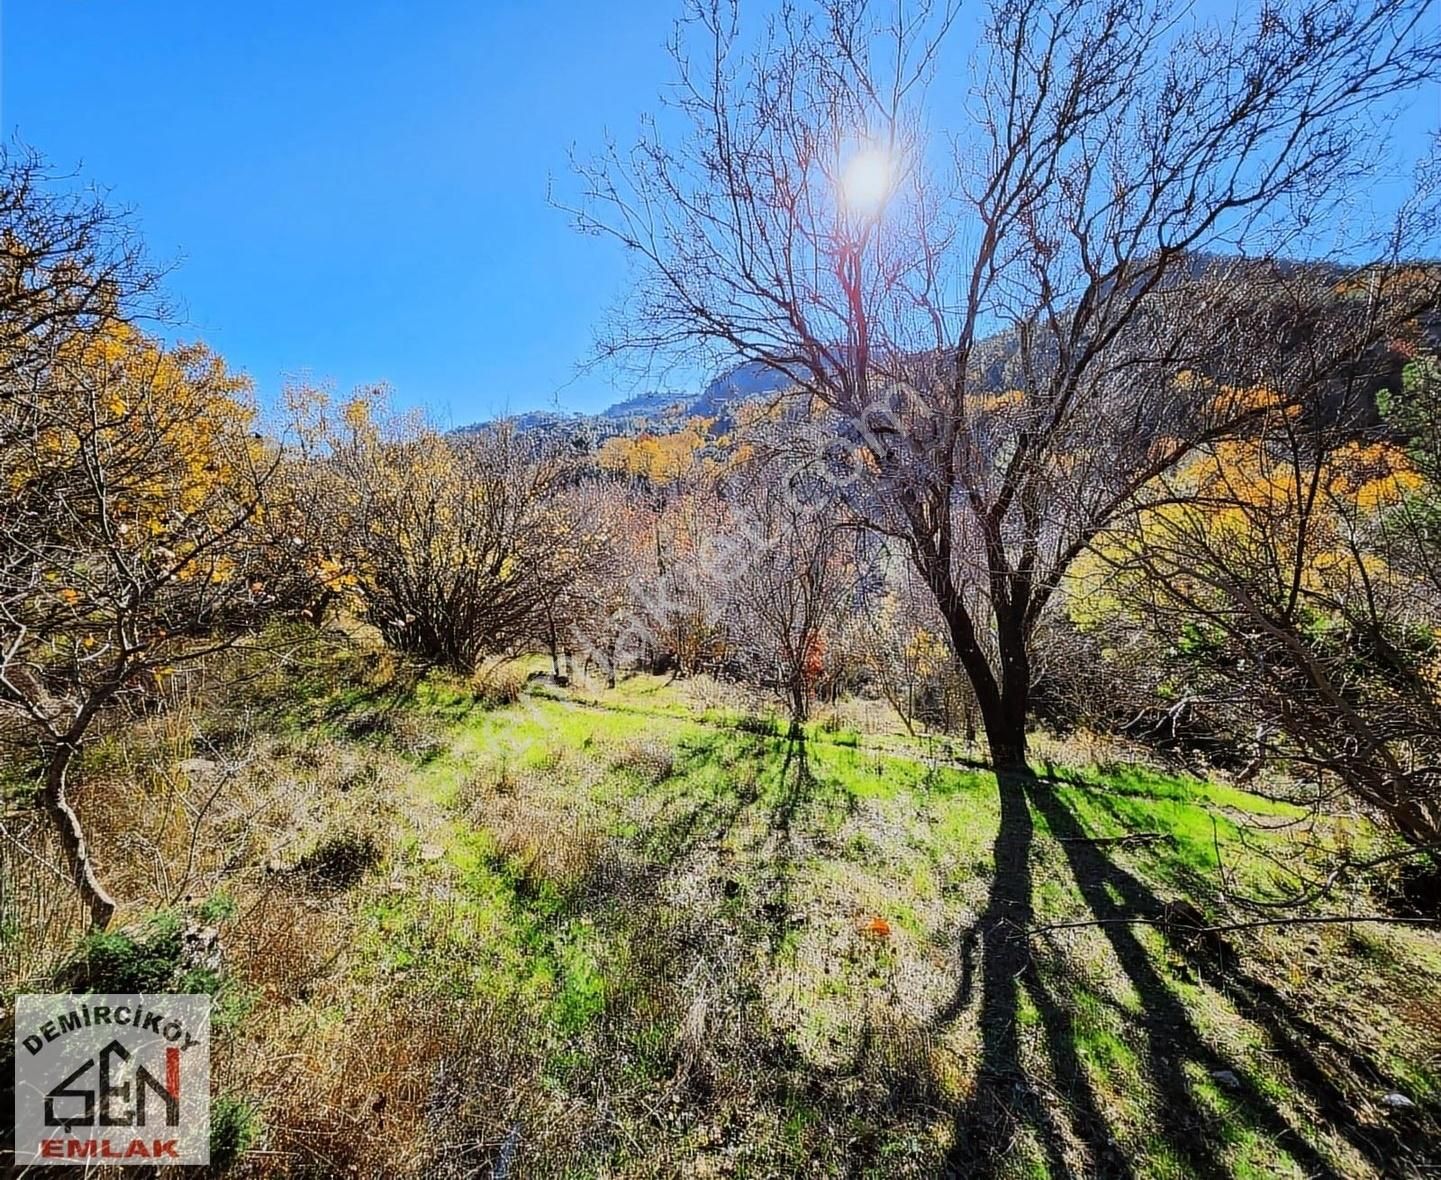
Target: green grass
755,971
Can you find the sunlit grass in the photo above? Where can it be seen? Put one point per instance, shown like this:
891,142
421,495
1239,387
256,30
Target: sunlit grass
655,896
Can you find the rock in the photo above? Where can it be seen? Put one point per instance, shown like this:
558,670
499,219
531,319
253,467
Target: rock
196,767
431,852
1397,1101
200,949
1227,1078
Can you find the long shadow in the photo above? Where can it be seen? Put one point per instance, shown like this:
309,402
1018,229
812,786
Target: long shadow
1004,1101
1172,1039
794,788
1297,1038
697,820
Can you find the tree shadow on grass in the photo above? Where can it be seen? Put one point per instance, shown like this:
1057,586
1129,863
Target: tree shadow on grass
1005,1103
699,818
794,787
1004,1100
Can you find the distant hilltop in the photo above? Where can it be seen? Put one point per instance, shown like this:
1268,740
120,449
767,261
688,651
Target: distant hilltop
994,358
657,411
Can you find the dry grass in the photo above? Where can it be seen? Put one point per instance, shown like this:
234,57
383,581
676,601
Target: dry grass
653,761
542,847
41,917
557,940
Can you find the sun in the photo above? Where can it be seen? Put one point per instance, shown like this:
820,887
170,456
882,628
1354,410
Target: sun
867,181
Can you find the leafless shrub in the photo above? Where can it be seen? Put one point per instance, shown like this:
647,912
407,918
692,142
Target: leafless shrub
454,538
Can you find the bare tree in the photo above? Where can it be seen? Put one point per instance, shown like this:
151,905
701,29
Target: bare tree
1284,566
600,605
1000,315
71,264
457,541
786,580
679,598
901,636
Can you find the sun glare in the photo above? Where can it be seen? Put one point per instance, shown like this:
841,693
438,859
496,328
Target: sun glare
867,181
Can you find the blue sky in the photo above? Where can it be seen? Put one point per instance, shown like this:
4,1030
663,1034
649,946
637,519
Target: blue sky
358,190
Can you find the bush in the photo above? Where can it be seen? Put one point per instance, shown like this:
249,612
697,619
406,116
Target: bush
412,734
499,687
123,961
216,908
457,535
235,1128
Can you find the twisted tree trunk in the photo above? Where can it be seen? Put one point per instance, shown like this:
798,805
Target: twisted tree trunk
72,838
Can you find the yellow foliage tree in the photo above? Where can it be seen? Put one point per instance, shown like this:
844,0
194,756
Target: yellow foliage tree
133,480
1276,566
657,458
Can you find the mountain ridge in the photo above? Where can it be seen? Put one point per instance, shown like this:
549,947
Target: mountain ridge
657,411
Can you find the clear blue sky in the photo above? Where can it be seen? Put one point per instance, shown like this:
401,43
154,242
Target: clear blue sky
358,190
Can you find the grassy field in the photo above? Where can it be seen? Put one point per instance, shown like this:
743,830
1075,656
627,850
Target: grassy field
575,932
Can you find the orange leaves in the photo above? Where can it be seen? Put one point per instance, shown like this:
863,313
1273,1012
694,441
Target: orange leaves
147,446
171,425
1269,510
996,403
813,659
875,927
1236,401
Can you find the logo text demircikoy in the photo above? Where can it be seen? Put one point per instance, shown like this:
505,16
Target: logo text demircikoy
121,1079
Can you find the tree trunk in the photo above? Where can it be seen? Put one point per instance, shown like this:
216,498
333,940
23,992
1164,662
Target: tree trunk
1002,693
1004,719
1008,753
72,839
1002,707
1418,826
798,703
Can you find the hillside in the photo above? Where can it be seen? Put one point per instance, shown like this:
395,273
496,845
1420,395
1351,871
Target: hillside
546,931
1379,373
969,710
